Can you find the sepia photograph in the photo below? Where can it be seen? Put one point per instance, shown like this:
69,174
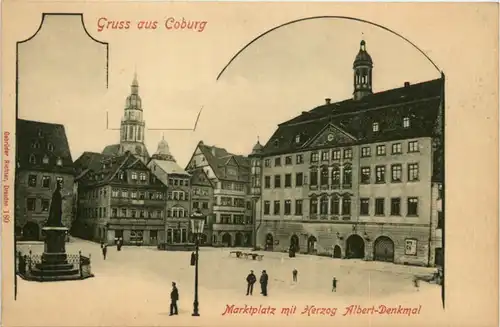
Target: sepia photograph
162,179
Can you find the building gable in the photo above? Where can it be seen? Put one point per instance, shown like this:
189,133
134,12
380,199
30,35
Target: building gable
331,135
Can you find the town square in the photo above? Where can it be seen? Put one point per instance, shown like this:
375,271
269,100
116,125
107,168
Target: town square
335,211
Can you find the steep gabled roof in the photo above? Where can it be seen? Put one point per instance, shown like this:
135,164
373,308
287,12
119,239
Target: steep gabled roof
199,177
419,102
40,140
170,167
218,158
98,169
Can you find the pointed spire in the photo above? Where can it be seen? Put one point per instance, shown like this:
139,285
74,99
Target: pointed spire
135,82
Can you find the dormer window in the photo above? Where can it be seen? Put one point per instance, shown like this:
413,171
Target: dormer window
50,147
375,127
276,143
59,162
134,176
406,122
121,175
45,160
40,134
35,145
297,139
32,159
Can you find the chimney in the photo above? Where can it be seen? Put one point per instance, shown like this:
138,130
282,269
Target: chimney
407,84
213,151
328,100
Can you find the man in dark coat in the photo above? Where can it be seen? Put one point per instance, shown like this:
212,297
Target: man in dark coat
251,279
264,278
174,297
104,250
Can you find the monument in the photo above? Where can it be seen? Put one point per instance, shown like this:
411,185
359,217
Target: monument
55,264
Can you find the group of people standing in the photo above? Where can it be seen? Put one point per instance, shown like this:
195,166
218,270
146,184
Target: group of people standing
252,279
104,247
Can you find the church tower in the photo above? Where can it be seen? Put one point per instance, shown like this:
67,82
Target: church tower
133,125
363,66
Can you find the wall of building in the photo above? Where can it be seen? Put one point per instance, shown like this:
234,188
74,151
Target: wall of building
24,192
202,198
327,238
331,230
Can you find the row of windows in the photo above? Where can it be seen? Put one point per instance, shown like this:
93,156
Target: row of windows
178,195
31,204
196,205
396,173
394,209
337,154
177,181
334,178
200,191
45,160
324,178
233,202
36,145
235,219
406,124
45,181
337,205
233,186
177,212
133,194
130,213
396,148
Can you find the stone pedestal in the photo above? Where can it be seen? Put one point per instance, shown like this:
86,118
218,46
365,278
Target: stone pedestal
54,264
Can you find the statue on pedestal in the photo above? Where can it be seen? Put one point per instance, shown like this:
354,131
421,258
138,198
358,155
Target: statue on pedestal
55,210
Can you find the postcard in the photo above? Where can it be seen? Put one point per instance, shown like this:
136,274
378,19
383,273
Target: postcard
252,163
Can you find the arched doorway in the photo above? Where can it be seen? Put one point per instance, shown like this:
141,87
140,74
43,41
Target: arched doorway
383,249
238,239
294,243
355,247
31,231
226,239
337,252
311,244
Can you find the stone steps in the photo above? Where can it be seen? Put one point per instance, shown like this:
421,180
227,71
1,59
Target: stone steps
58,266
55,272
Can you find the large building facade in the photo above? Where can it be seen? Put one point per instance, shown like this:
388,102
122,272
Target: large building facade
202,200
359,178
43,161
118,197
230,176
177,205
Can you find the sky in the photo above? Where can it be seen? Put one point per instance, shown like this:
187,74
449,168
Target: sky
62,74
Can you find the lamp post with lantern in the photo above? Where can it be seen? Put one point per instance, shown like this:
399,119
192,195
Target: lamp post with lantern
197,225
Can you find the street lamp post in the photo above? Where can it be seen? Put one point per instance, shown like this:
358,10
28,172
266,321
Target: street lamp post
197,224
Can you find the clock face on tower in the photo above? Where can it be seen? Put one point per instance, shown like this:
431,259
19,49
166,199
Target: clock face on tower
138,149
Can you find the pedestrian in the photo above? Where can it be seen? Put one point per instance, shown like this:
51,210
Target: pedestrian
174,297
416,283
294,274
264,278
251,279
104,250
334,285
